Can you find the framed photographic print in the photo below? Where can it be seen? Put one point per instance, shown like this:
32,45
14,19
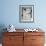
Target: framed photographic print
26,13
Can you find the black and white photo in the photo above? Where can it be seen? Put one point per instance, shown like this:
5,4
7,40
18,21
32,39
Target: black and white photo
26,13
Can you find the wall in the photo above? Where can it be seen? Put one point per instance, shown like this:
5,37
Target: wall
9,13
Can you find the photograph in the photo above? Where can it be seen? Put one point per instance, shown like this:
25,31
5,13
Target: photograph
26,13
